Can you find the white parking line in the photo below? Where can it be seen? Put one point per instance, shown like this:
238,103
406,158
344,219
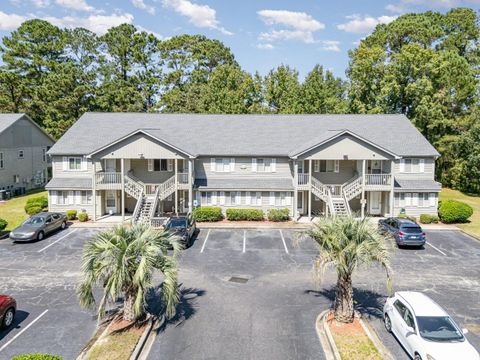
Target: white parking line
205,242
21,331
283,239
440,251
244,239
63,237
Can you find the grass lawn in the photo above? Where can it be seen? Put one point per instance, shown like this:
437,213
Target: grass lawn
13,210
118,346
473,227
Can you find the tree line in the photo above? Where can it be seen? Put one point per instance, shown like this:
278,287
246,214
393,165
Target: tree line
424,65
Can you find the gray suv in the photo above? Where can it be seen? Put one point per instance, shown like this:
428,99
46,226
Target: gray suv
405,231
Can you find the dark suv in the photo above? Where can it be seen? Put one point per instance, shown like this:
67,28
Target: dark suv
405,231
183,226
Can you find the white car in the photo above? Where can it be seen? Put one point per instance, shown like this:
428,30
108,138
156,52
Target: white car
424,329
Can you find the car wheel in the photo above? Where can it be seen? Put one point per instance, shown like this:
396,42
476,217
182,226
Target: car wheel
40,236
8,317
417,357
388,323
63,226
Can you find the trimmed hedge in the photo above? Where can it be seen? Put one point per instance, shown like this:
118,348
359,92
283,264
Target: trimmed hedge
36,357
36,204
3,224
83,216
453,211
71,214
405,216
245,214
428,219
33,209
207,213
278,215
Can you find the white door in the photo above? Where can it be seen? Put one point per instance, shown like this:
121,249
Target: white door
110,165
111,201
184,201
300,202
375,203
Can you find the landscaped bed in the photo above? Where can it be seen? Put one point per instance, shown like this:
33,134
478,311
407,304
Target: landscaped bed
473,226
351,340
13,210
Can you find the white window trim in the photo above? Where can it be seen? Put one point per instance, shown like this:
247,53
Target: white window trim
151,165
414,168
335,168
66,164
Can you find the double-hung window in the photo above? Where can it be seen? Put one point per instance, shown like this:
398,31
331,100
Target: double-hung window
222,164
62,197
235,198
75,163
412,165
280,199
206,198
264,165
326,166
86,197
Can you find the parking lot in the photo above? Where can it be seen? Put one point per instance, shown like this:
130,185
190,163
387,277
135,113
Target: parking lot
246,294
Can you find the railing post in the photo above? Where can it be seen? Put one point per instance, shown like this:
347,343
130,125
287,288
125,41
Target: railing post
176,186
122,181
392,184
363,203
94,191
295,189
310,189
190,186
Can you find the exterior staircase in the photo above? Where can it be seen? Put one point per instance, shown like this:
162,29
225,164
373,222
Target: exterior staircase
340,206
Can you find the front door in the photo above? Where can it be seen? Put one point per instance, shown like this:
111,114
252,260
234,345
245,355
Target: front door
110,165
375,166
184,201
375,203
111,201
300,202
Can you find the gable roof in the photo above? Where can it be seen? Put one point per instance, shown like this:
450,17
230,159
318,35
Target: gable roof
8,119
243,135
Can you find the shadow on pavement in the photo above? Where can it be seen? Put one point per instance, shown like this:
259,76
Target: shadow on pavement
367,302
20,317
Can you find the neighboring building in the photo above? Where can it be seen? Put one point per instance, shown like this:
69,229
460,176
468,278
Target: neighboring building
155,164
24,164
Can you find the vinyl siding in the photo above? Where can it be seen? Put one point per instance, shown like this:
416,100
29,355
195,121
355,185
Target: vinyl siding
428,173
416,210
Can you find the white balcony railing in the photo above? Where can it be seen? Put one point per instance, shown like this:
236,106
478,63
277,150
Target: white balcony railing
182,178
303,179
108,178
378,179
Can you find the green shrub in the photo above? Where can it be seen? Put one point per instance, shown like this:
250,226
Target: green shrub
83,216
33,209
36,357
245,214
428,219
39,201
71,214
405,216
453,211
207,214
3,224
278,215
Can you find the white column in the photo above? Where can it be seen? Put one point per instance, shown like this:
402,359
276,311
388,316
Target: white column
310,189
295,189
190,186
122,175
176,187
94,191
392,179
362,207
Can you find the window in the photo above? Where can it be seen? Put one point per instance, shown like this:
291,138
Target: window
86,197
222,165
160,164
423,200
264,165
21,154
75,163
207,198
62,198
400,308
326,166
409,318
16,179
235,197
412,165
258,198
399,199
280,199
2,161
44,155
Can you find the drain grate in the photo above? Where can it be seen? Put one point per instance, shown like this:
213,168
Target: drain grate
237,279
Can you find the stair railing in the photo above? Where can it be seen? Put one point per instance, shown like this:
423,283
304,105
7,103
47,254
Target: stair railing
153,209
164,189
330,201
138,206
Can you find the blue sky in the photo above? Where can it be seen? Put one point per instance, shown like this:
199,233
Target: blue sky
261,34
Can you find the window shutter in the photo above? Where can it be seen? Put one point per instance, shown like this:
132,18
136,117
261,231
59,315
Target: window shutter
226,165
232,164
247,198
222,197
65,163
415,199
337,166
71,197
272,198
169,164
273,165
214,198
402,165
258,198
199,198
78,197
212,164
316,165
433,199
408,199
53,197
83,165
254,165
288,198
239,197
150,164
422,165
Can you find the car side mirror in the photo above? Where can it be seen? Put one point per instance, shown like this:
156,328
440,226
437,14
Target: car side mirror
465,331
410,330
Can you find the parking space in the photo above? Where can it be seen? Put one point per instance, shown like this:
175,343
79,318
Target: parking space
42,277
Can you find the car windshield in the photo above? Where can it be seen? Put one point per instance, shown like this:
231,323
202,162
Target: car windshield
411,229
175,223
34,221
438,328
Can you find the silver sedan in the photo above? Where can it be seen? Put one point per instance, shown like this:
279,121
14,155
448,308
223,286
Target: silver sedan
38,226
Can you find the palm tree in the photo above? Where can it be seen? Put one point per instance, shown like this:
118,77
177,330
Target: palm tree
122,260
348,243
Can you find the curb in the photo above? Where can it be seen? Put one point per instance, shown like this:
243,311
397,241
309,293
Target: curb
375,339
251,226
138,351
325,336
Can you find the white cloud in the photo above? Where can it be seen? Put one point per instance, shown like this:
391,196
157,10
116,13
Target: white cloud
80,5
276,35
293,19
157,35
202,16
362,24
10,21
97,23
395,8
41,3
330,45
140,4
266,46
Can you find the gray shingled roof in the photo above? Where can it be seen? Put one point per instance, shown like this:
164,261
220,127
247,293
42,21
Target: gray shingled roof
417,185
69,183
6,120
267,135
244,184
